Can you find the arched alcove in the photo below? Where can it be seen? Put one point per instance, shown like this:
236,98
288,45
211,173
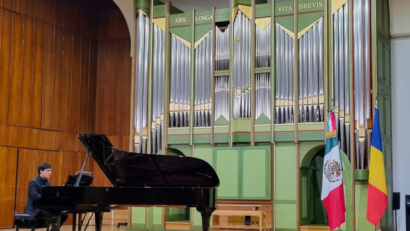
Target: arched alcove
312,211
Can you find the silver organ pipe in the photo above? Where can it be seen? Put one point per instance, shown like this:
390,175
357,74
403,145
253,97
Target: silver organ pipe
284,77
311,90
141,83
341,76
158,89
203,82
180,79
241,67
362,81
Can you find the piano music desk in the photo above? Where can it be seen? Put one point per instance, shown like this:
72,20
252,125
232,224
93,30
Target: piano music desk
239,213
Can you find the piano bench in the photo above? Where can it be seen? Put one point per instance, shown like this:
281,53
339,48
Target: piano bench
25,221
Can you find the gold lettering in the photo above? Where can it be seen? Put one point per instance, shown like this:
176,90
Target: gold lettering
203,18
284,8
179,20
310,5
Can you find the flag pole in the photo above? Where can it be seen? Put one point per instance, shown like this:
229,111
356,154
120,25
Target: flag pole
380,229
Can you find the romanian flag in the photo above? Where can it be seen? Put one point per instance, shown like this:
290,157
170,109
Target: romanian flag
377,192
332,181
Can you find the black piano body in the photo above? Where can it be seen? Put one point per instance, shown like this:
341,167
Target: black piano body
138,179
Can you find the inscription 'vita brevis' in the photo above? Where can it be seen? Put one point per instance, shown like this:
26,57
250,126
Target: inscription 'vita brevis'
301,6
310,5
285,8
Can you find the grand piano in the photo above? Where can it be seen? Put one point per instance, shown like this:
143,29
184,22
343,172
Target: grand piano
137,179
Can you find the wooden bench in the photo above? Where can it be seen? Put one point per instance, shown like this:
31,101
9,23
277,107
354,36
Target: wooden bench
25,221
241,213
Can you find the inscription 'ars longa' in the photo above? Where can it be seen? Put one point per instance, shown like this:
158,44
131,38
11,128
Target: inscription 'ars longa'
197,18
179,20
203,18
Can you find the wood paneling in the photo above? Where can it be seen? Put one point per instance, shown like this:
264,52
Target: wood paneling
92,79
15,97
112,24
75,85
27,79
7,4
39,8
66,83
113,87
56,77
84,85
5,48
47,105
8,165
37,74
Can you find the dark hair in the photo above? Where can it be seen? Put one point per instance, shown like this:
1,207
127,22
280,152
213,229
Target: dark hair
42,167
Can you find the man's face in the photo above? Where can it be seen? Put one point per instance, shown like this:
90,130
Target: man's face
45,174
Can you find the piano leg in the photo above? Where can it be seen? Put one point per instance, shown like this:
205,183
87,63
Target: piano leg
74,221
206,217
56,227
98,220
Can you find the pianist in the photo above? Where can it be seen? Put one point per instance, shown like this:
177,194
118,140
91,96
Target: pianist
34,193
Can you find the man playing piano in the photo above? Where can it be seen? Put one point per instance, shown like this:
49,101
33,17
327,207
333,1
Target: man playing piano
34,193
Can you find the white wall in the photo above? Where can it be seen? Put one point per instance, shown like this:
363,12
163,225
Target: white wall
400,52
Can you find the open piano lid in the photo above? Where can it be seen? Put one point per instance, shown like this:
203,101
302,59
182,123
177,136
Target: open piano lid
138,169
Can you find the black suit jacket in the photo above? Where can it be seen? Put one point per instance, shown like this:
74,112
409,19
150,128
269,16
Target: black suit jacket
34,193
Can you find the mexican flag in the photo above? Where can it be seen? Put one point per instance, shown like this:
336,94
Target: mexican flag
332,183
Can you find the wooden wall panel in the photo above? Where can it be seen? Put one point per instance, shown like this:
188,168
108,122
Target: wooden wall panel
39,8
15,97
57,79
59,13
66,83
37,74
85,18
92,87
7,4
27,79
75,84
47,102
76,16
50,13
5,49
8,165
84,85
112,24
48,85
114,87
